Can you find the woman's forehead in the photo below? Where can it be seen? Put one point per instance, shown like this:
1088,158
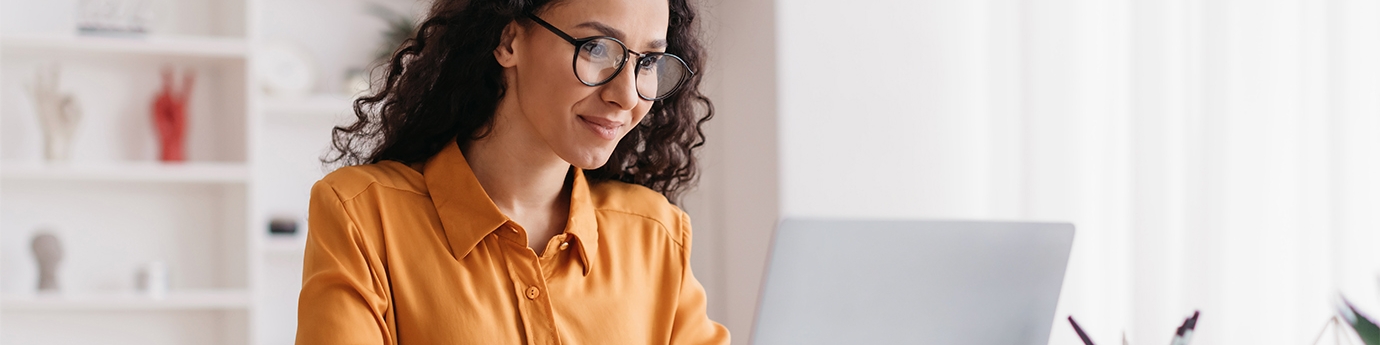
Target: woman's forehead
639,23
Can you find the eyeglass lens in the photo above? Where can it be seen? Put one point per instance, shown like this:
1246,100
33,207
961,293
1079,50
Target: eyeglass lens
658,75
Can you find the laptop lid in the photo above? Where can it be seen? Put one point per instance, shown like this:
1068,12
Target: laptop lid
911,282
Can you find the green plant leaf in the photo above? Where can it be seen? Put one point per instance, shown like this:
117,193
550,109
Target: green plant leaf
399,27
1364,326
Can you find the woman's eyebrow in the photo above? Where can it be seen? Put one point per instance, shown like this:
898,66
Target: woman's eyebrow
615,33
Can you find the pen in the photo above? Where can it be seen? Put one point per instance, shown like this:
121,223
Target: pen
1185,332
1081,335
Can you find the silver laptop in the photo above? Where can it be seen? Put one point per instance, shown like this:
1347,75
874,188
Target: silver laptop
911,282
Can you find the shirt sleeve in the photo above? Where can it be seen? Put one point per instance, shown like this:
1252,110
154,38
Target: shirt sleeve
692,325
344,298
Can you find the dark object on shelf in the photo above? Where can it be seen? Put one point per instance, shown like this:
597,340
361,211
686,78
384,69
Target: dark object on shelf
48,253
282,226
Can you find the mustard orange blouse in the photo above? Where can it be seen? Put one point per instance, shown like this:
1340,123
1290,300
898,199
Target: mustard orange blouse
395,256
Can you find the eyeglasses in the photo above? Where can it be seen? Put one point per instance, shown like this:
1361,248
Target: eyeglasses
601,58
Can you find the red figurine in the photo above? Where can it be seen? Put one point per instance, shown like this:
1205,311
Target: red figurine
170,116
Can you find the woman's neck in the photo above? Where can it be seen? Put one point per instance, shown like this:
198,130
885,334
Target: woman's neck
514,180
523,177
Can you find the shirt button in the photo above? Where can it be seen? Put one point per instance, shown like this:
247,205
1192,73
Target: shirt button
565,245
533,292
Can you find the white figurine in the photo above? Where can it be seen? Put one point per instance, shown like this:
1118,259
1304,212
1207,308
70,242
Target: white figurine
57,112
152,280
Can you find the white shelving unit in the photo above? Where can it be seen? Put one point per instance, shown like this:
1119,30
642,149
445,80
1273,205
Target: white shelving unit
170,45
113,205
314,105
179,300
19,172
285,245
251,157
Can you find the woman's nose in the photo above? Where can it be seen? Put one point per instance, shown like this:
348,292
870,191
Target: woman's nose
622,90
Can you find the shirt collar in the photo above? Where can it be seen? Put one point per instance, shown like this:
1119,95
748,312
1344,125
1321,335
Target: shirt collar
468,214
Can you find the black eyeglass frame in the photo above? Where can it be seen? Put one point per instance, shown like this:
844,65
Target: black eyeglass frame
622,62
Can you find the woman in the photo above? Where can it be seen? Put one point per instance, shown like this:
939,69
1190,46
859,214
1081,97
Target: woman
510,184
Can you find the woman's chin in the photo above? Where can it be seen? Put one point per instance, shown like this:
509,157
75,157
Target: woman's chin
589,159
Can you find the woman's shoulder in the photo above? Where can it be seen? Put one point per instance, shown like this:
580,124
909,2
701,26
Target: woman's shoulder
352,180
632,198
615,198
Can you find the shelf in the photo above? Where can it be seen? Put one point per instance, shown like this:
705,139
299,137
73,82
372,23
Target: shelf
314,105
285,244
128,301
126,172
180,46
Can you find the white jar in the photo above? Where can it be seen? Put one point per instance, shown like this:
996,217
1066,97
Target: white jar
153,280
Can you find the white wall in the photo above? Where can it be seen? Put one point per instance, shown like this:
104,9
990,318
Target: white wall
851,142
882,108
1215,154
738,197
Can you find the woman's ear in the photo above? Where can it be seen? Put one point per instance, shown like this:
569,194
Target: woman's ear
505,54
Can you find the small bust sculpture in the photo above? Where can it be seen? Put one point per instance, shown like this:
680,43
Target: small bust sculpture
48,253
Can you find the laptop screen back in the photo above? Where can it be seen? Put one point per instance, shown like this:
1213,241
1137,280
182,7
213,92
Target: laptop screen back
912,282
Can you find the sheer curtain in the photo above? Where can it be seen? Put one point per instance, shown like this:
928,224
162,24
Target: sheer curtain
1218,155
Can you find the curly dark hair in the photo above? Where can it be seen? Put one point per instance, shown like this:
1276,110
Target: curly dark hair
445,84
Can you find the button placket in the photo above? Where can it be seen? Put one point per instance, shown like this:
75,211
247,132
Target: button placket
525,272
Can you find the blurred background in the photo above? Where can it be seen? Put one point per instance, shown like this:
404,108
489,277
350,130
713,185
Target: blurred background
1215,155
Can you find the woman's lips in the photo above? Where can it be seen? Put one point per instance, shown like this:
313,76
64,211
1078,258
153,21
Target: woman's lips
604,128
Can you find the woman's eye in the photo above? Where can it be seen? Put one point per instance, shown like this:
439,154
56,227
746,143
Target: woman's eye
648,63
597,50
